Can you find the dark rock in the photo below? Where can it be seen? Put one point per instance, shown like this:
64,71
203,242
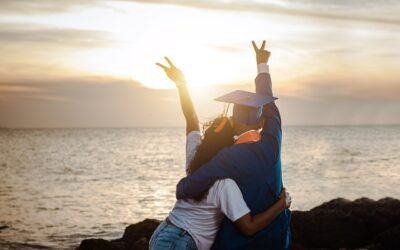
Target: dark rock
100,244
140,230
142,243
337,224
136,236
340,223
389,239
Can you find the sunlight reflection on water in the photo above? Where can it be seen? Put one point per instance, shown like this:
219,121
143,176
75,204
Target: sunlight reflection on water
59,186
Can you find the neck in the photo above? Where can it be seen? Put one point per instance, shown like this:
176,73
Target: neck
242,128
242,131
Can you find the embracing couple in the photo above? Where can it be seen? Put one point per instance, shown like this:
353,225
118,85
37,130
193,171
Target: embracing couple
232,196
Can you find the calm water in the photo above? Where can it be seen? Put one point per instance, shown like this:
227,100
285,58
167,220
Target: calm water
59,186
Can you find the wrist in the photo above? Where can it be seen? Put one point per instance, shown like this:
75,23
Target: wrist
262,68
282,203
180,83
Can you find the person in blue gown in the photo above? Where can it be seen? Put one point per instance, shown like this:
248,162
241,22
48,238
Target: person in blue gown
253,162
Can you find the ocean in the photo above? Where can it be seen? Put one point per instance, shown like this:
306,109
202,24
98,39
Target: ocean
60,186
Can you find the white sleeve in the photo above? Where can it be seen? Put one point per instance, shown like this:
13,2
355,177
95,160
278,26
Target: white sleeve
231,200
262,68
193,139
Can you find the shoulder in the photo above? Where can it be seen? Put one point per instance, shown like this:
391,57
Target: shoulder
193,139
223,189
226,185
194,135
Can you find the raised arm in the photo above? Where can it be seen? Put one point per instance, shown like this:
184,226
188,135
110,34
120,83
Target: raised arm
263,79
271,116
176,75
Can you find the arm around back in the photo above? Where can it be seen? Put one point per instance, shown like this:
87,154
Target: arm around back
220,167
249,225
230,200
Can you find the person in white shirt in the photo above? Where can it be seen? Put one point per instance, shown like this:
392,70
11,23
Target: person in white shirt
193,224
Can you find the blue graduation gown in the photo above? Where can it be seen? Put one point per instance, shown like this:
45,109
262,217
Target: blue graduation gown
256,168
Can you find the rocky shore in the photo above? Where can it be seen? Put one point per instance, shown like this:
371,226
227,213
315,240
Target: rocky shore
337,224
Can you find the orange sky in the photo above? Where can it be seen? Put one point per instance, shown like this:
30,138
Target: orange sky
91,63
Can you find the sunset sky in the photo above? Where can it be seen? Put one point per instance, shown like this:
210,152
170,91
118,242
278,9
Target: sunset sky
92,62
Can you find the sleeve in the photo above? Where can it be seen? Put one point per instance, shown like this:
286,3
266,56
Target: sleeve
231,200
272,129
220,167
193,139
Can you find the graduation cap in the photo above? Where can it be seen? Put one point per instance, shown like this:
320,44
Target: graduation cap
247,107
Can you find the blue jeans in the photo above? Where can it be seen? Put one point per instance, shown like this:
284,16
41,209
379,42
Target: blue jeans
168,237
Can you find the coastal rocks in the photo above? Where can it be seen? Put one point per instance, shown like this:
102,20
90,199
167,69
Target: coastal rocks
142,231
337,224
136,236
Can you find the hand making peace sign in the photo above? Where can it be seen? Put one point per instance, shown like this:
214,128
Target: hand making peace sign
262,55
173,72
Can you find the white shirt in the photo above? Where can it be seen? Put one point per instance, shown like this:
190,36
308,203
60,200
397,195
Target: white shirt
202,219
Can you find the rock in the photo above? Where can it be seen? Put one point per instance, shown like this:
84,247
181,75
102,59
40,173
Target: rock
142,243
340,223
337,224
136,236
140,230
100,244
389,239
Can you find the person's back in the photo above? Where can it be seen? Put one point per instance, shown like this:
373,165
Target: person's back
202,219
255,177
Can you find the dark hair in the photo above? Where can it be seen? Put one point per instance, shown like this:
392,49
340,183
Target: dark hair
218,134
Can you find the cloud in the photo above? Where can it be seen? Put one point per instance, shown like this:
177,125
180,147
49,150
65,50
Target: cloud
86,102
354,89
360,11
17,33
42,6
111,102
12,88
338,111
338,10
228,49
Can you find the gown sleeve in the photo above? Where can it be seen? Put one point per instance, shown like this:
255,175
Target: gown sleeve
220,167
272,128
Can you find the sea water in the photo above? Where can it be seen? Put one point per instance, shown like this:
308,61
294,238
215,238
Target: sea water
59,186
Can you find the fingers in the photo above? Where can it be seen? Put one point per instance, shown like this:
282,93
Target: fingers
288,199
263,45
169,62
165,67
162,66
254,46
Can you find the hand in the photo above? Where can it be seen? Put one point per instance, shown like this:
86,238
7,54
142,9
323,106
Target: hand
285,198
173,72
262,55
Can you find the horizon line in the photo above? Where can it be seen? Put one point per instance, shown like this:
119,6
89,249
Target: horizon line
172,126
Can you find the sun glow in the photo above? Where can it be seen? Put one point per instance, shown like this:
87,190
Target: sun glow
147,33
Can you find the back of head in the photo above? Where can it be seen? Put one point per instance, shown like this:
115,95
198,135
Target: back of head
218,134
247,110
246,118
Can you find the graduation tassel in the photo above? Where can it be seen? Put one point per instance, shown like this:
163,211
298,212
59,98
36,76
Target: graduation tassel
221,125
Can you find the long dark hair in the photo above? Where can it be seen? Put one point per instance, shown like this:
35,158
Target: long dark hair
218,134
